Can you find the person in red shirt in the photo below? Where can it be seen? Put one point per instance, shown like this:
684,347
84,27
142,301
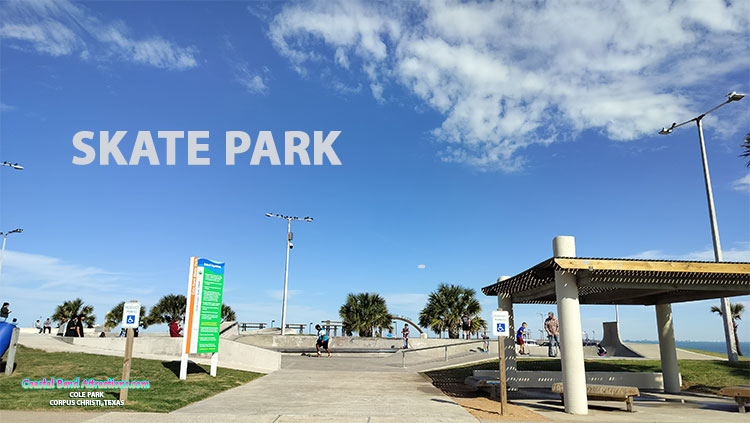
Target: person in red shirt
175,329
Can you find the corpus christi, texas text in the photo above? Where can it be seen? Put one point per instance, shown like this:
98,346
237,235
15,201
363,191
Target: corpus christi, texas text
296,143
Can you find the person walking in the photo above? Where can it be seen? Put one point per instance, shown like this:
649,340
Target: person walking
5,312
519,339
466,326
405,333
47,326
322,340
485,342
552,327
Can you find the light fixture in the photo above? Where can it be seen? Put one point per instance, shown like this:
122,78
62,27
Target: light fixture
735,96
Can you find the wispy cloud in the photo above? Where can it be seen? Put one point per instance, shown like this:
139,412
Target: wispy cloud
732,254
278,294
63,28
35,284
742,184
6,107
505,77
254,80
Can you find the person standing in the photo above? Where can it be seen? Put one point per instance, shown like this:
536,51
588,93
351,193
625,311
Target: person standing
405,334
72,328
81,320
5,312
485,342
552,327
47,326
322,340
61,328
466,326
519,339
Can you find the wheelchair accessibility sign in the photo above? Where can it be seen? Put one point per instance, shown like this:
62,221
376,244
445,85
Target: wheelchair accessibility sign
500,322
131,315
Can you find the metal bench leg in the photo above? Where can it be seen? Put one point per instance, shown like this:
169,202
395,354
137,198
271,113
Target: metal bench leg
629,403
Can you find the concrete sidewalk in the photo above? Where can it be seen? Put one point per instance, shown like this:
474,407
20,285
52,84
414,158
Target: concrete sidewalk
335,389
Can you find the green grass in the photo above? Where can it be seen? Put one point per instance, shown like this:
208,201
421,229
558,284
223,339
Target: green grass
714,354
166,393
697,375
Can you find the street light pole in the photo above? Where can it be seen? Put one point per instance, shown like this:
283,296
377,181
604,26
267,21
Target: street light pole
289,246
5,238
725,307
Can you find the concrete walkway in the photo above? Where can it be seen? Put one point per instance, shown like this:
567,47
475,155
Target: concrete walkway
342,389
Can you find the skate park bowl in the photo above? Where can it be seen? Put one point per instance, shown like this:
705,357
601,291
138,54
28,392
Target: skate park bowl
6,331
613,344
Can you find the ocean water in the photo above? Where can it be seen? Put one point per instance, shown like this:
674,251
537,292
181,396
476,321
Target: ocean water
717,347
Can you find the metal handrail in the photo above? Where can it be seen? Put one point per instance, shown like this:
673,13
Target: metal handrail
403,352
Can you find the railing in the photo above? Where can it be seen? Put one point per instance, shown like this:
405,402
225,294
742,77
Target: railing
446,346
241,327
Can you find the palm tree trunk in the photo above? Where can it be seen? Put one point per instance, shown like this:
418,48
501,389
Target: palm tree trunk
737,341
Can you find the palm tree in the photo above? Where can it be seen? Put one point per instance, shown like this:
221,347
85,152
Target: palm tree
114,317
168,309
445,307
746,147
735,311
227,313
75,307
365,312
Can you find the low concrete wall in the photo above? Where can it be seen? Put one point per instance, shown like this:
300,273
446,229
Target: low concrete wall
232,354
540,379
343,342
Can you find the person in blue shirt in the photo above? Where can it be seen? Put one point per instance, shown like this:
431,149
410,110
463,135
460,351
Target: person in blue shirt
519,338
322,340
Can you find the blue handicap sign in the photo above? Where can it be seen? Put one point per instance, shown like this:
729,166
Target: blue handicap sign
130,319
501,327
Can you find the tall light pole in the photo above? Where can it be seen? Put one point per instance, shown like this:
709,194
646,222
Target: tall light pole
725,308
289,246
15,166
2,250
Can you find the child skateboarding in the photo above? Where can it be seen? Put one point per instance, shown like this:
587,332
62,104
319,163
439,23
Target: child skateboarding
322,340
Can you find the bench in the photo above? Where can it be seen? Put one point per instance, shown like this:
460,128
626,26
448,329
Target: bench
605,393
741,394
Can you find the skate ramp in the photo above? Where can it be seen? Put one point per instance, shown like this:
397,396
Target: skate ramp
613,344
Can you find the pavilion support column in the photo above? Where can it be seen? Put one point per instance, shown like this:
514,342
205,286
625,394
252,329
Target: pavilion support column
667,350
505,303
571,343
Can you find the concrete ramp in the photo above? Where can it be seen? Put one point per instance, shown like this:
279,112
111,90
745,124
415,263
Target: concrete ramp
613,344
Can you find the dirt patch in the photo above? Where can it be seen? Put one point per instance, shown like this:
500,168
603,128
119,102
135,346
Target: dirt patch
486,409
477,403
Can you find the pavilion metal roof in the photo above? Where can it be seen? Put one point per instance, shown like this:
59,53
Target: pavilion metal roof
628,281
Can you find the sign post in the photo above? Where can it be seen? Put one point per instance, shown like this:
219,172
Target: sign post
500,322
131,318
203,313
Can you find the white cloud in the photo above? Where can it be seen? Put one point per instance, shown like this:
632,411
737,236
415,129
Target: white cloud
278,294
253,82
732,254
421,266
742,184
35,284
506,77
62,28
6,107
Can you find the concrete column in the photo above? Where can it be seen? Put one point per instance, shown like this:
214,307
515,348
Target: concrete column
505,303
571,343
667,350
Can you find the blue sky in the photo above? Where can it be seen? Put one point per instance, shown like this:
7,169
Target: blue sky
472,134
